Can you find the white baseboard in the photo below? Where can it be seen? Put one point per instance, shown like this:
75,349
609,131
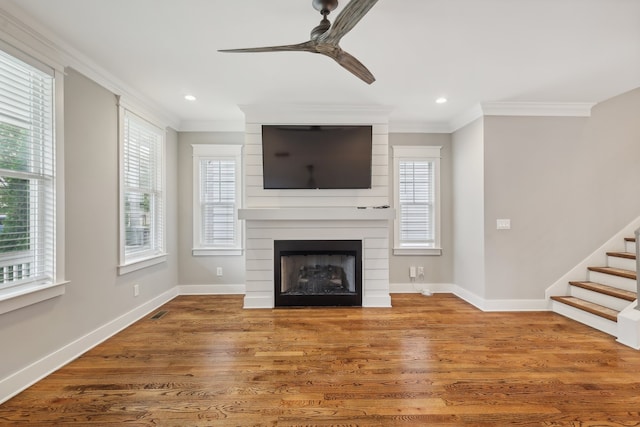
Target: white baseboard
211,289
473,299
418,287
629,326
374,299
33,373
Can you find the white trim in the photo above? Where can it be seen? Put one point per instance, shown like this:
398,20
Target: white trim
27,40
141,263
547,109
14,298
419,127
216,152
212,125
48,47
419,287
303,113
469,116
217,252
629,326
597,257
22,296
316,214
136,109
417,153
380,299
148,258
19,381
417,251
222,289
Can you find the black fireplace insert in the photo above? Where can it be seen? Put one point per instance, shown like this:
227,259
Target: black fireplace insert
318,273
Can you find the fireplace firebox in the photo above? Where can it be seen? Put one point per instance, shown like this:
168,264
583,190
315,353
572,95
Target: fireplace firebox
318,273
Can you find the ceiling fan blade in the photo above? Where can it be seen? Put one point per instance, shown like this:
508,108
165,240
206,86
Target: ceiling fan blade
306,46
347,19
350,63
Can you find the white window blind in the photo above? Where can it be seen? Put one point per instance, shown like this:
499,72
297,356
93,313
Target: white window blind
27,174
218,202
216,198
416,200
416,195
143,188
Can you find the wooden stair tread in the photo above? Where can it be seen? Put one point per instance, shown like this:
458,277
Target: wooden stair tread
629,239
607,290
589,307
627,255
620,272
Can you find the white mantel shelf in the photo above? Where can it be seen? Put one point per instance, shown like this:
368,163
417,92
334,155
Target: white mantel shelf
316,214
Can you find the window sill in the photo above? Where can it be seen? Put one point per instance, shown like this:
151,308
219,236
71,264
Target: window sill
216,252
25,295
418,251
141,263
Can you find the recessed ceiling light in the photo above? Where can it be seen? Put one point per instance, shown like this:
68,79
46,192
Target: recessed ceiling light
441,100
190,97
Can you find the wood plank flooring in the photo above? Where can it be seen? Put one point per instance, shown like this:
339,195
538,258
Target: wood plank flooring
428,361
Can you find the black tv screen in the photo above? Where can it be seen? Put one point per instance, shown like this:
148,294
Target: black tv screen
325,157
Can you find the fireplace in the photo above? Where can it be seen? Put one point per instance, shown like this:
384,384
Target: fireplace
317,273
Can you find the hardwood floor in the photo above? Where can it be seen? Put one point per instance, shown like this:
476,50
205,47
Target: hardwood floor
428,361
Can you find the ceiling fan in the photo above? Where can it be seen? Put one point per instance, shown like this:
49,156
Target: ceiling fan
325,37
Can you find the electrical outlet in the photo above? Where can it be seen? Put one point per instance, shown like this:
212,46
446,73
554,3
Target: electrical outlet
412,272
219,271
136,290
421,271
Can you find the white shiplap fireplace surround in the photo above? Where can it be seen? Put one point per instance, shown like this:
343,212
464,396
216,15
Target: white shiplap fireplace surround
271,215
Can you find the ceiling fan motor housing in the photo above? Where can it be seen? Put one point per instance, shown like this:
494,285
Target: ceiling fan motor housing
325,6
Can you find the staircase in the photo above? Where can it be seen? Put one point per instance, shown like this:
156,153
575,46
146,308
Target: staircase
597,301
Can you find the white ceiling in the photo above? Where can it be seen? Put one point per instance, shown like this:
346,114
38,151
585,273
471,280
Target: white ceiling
470,51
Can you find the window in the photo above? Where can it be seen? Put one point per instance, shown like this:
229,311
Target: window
142,216
28,183
216,196
417,200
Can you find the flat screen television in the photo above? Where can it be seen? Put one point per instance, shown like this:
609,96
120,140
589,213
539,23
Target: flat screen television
316,157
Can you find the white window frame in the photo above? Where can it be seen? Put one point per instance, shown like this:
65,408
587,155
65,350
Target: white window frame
29,292
412,154
216,152
130,262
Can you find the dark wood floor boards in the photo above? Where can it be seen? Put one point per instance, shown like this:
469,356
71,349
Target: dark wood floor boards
427,361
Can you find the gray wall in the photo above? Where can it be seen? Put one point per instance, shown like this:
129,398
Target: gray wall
96,294
567,184
201,270
468,208
437,269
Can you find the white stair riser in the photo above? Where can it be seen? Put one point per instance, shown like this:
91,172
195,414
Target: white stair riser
597,322
615,281
598,298
630,247
625,263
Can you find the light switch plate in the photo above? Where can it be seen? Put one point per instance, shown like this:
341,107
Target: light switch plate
503,224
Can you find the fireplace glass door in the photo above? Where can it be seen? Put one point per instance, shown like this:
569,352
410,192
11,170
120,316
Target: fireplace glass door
318,273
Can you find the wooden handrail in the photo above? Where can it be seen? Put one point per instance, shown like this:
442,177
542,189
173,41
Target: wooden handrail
637,233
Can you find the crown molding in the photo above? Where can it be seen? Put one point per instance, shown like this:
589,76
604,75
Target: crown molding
212,126
469,116
26,34
419,127
536,109
316,113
